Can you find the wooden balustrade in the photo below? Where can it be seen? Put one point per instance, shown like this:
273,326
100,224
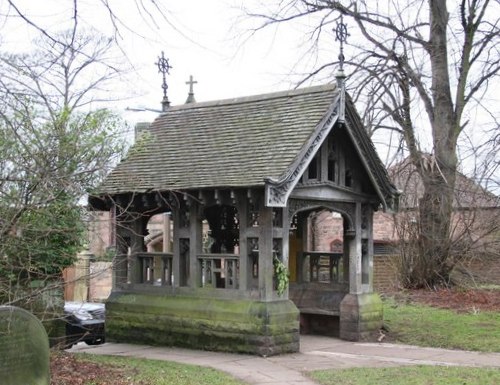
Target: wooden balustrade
222,270
318,266
155,268
219,270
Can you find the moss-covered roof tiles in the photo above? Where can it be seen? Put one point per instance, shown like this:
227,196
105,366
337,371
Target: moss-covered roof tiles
227,143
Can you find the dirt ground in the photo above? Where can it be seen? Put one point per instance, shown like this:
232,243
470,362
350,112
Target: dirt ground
67,370
459,300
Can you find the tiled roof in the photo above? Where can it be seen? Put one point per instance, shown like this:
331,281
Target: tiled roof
227,143
387,190
467,193
238,143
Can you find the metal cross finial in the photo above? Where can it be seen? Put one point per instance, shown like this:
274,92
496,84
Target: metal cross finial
341,35
164,68
191,82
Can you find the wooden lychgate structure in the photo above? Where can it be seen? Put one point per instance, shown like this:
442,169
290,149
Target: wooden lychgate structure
239,179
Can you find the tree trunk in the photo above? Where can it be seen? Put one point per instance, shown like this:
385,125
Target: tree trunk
438,171
435,262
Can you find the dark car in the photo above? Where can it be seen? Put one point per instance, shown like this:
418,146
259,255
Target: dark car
84,322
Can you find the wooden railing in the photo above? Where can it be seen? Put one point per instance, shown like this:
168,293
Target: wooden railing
155,268
222,270
318,266
219,270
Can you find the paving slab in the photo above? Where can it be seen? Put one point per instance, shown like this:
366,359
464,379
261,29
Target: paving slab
316,353
380,353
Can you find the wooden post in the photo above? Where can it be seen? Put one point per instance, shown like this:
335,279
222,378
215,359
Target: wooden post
122,243
166,232
242,206
176,249
355,286
137,228
285,243
195,242
266,269
367,234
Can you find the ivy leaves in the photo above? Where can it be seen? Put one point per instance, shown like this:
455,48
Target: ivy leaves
281,276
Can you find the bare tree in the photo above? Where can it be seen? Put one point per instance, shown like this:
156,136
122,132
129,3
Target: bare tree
54,148
419,67
153,12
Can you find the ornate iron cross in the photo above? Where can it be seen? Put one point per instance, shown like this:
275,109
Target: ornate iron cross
164,68
341,35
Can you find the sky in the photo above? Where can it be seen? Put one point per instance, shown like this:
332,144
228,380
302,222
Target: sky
209,40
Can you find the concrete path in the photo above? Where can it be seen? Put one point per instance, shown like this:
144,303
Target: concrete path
315,353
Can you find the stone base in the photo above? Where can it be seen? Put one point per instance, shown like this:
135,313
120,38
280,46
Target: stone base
361,317
242,326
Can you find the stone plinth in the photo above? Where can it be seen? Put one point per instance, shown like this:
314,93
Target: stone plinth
360,317
242,326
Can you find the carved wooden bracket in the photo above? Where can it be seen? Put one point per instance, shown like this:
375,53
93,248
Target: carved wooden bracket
278,191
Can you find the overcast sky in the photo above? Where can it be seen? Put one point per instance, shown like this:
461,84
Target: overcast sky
205,39
211,43
202,38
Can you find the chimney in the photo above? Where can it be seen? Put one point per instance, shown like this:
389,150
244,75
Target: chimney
139,128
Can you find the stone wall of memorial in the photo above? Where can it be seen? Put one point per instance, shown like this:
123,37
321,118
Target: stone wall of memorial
100,281
88,282
99,232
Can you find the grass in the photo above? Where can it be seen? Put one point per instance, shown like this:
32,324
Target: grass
408,375
156,372
421,325
426,326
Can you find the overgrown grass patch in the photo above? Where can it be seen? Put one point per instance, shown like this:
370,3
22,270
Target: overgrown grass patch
156,372
408,375
427,326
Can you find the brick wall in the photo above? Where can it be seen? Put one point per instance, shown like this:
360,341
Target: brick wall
99,232
480,270
100,281
326,229
385,276
383,227
484,269
88,281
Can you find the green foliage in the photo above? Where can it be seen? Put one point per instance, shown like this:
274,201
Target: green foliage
428,326
408,375
45,174
54,149
46,240
281,276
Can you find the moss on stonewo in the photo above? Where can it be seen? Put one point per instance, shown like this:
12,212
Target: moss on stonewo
244,326
360,316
